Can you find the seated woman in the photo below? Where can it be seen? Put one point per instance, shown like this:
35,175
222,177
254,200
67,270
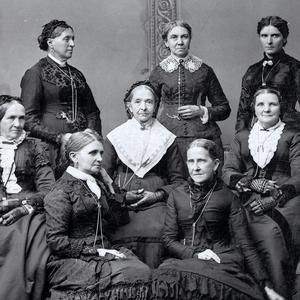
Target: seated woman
143,158
206,234
25,178
263,165
80,216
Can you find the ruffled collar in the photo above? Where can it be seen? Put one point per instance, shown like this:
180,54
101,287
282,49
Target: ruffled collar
141,149
276,57
199,191
263,142
190,62
7,163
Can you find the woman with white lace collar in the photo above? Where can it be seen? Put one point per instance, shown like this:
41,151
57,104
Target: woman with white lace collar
143,158
263,165
25,178
81,214
183,83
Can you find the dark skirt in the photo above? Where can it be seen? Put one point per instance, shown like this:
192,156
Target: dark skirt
94,279
142,234
23,258
200,279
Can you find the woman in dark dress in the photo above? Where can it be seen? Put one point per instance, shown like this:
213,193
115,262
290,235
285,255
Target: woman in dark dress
25,178
276,69
143,159
263,165
81,215
56,95
206,235
183,82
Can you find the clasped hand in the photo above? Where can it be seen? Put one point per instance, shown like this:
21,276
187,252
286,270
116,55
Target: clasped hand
208,255
190,111
118,255
141,197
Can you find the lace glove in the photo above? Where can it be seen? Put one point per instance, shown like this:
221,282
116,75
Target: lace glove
262,185
283,194
14,215
260,205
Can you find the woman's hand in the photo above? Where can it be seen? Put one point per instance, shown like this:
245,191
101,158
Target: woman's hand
208,255
134,196
147,199
190,111
102,252
14,215
241,187
272,295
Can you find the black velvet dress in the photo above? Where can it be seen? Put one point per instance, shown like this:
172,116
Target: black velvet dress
221,227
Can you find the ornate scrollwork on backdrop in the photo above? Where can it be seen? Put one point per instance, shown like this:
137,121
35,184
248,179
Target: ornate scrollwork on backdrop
160,13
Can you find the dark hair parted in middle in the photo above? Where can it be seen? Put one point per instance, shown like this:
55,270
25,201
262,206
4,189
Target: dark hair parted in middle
51,30
130,92
212,148
169,26
279,23
80,139
6,101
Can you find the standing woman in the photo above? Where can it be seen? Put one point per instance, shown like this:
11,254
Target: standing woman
56,95
183,83
276,69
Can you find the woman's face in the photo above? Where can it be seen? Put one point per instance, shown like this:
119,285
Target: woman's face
89,158
178,41
12,123
267,109
200,165
61,47
142,104
271,40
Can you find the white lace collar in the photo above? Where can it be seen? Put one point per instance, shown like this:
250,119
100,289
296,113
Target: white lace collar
263,143
141,149
60,63
89,179
190,62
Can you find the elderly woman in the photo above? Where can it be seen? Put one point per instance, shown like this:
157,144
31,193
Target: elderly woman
142,157
81,214
263,165
25,178
56,96
206,235
183,82
276,69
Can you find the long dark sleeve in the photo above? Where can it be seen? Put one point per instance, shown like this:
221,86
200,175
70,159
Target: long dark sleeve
220,109
58,208
170,233
32,95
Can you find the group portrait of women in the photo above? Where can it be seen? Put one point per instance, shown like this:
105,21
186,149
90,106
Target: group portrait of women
154,209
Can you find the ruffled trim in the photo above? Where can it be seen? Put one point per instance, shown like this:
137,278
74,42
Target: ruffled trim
172,284
122,291
262,153
191,63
